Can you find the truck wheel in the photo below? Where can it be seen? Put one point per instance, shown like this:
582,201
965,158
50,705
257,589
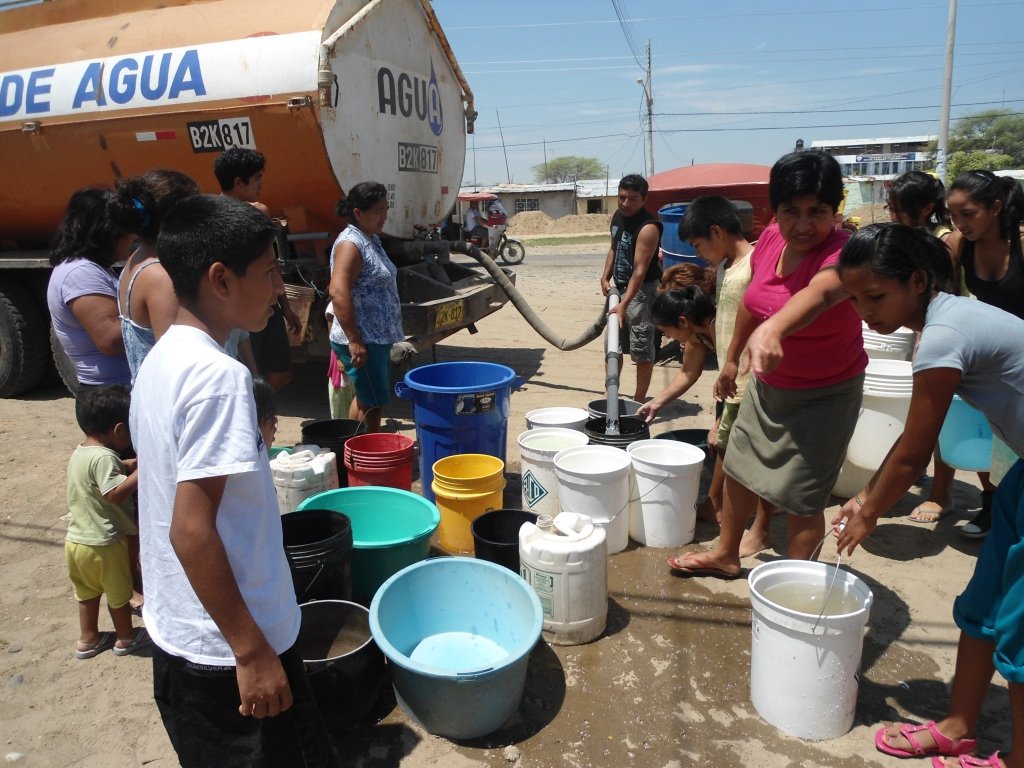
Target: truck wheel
65,368
513,252
22,340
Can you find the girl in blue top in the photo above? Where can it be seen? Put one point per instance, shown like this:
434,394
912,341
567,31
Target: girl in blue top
892,273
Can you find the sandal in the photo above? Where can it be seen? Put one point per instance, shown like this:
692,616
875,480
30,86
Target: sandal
106,640
968,761
943,746
139,641
979,527
929,516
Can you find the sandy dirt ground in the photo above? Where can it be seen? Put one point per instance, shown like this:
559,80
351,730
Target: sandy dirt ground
666,685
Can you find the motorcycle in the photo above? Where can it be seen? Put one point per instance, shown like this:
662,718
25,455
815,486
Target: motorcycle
496,243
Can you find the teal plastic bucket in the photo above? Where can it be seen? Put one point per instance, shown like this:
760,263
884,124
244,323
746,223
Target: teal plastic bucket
391,529
674,250
965,440
458,633
458,408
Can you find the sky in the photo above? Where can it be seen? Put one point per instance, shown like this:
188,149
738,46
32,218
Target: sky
732,80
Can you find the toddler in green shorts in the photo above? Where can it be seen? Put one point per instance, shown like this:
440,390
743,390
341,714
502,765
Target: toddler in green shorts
99,494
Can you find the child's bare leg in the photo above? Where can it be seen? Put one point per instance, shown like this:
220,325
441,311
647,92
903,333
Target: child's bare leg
644,372
88,623
122,618
133,561
755,538
711,510
971,678
804,533
940,497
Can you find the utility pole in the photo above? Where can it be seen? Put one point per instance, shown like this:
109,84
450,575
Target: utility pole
947,88
504,151
648,86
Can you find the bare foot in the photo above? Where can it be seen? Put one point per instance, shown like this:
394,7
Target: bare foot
136,602
752,543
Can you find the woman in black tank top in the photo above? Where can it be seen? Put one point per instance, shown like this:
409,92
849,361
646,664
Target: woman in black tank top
988,211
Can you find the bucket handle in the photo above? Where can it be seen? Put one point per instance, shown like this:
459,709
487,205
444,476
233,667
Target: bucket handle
517,382
468,677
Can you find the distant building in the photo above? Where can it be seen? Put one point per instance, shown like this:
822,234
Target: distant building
556,200
881,159
869,165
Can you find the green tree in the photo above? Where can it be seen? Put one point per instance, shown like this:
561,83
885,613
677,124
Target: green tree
568,168
977,160
994,131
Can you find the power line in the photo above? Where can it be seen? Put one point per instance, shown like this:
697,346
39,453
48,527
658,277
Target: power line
851,109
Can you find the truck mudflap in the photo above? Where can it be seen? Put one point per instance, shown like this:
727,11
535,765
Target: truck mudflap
439,300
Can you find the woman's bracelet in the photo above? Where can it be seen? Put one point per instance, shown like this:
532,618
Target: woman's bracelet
858,500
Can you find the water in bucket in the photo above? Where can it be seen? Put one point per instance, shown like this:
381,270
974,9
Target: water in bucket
537,450
805,651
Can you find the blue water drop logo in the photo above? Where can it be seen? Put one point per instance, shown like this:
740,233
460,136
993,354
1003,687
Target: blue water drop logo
434,113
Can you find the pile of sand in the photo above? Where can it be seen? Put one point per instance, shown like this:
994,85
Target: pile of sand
539,223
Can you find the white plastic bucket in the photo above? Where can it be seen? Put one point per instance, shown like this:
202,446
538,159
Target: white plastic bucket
803,670
537,449
898,345
560,417
567,566
888,385
666,481
593,480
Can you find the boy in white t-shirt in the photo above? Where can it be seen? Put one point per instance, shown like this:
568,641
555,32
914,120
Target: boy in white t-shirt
220,604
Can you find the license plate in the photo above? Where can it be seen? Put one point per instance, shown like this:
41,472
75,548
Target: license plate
218,135
448,315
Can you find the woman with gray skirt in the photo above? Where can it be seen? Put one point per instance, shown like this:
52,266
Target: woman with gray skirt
807,354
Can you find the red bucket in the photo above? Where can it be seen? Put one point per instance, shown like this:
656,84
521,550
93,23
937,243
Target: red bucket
382,459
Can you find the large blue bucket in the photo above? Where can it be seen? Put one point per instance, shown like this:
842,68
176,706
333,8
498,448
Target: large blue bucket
458,408
675,251
965,440
458,634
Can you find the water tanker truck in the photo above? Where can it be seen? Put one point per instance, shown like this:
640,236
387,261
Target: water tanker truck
332,92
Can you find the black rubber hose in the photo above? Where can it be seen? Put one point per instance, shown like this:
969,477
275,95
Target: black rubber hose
559,342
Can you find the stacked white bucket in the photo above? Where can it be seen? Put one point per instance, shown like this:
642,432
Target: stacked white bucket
548,431
888,383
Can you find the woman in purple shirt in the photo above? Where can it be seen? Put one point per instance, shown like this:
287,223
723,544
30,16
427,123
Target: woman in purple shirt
82,293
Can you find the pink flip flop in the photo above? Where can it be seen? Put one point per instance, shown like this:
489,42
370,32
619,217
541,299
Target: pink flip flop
968,761
944,745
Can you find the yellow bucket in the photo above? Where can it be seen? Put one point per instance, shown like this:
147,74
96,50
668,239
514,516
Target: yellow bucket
465,486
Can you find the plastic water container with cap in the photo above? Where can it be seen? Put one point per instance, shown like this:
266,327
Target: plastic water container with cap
565,561
301,473
888,385
898,345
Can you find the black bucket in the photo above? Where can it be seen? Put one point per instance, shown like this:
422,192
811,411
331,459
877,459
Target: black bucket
496,536
600,407
631,429
699,438
344,665
318,545
332,434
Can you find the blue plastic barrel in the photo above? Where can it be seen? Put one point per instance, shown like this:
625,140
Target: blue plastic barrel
675,251
458,408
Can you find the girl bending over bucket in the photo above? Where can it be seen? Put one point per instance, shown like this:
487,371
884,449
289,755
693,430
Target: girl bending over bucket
892,273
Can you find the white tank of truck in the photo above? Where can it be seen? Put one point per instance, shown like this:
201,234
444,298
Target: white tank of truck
332,92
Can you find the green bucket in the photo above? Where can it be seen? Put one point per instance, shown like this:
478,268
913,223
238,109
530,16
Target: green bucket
391,529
